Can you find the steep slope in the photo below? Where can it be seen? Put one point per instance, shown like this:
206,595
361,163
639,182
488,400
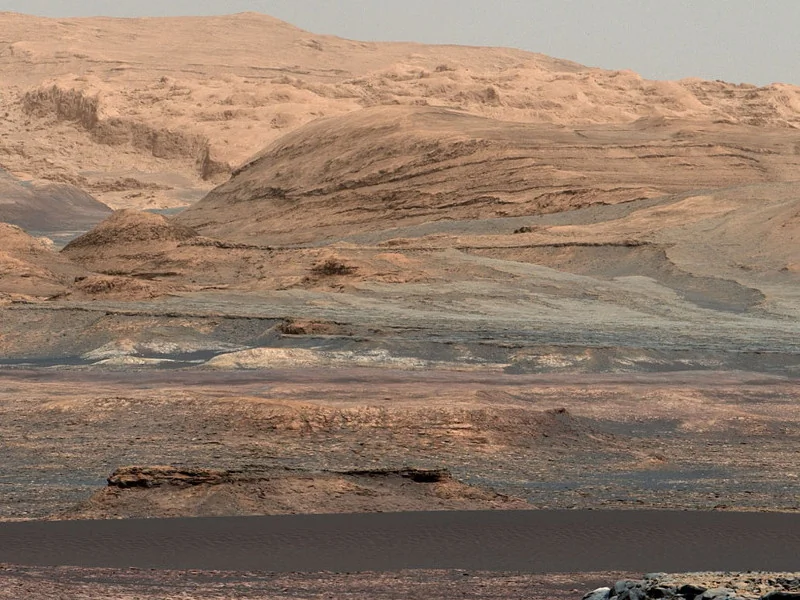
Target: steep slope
147,111
387,167
48,207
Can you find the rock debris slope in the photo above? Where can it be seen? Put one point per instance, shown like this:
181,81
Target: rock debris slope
704,586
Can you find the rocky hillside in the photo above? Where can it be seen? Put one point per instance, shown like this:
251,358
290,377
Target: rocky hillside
29,267
147,492
110,104
562,216
382,168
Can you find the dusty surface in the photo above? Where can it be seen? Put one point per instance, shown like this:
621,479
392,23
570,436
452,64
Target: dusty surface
91,584
705,441
55,208
147,112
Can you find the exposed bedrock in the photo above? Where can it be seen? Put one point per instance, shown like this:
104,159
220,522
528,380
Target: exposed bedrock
704,586
86,110
165,491
387,167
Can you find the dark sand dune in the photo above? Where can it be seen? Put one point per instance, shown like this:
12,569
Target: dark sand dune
533,542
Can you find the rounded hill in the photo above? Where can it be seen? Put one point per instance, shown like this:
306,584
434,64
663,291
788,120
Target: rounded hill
388,167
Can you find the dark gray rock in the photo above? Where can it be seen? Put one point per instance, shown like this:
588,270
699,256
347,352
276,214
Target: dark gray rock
634,593
662,591
661,586
625,584
691,591
717,594
790,584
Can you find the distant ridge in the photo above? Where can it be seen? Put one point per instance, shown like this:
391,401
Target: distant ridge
47,207
93,99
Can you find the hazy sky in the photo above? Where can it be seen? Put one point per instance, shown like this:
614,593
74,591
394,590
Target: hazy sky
752,41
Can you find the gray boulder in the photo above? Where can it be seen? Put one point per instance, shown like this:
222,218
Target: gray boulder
690,590
717,594
603,593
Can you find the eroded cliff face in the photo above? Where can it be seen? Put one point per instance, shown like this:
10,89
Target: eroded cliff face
67,104
87,110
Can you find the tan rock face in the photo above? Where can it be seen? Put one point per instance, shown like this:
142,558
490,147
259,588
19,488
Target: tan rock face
94,100
388,167
149,477
115,287
136,236
163,491
29,267
131,227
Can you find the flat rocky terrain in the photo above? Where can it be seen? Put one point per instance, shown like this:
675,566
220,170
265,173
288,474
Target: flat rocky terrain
87,584
309,440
